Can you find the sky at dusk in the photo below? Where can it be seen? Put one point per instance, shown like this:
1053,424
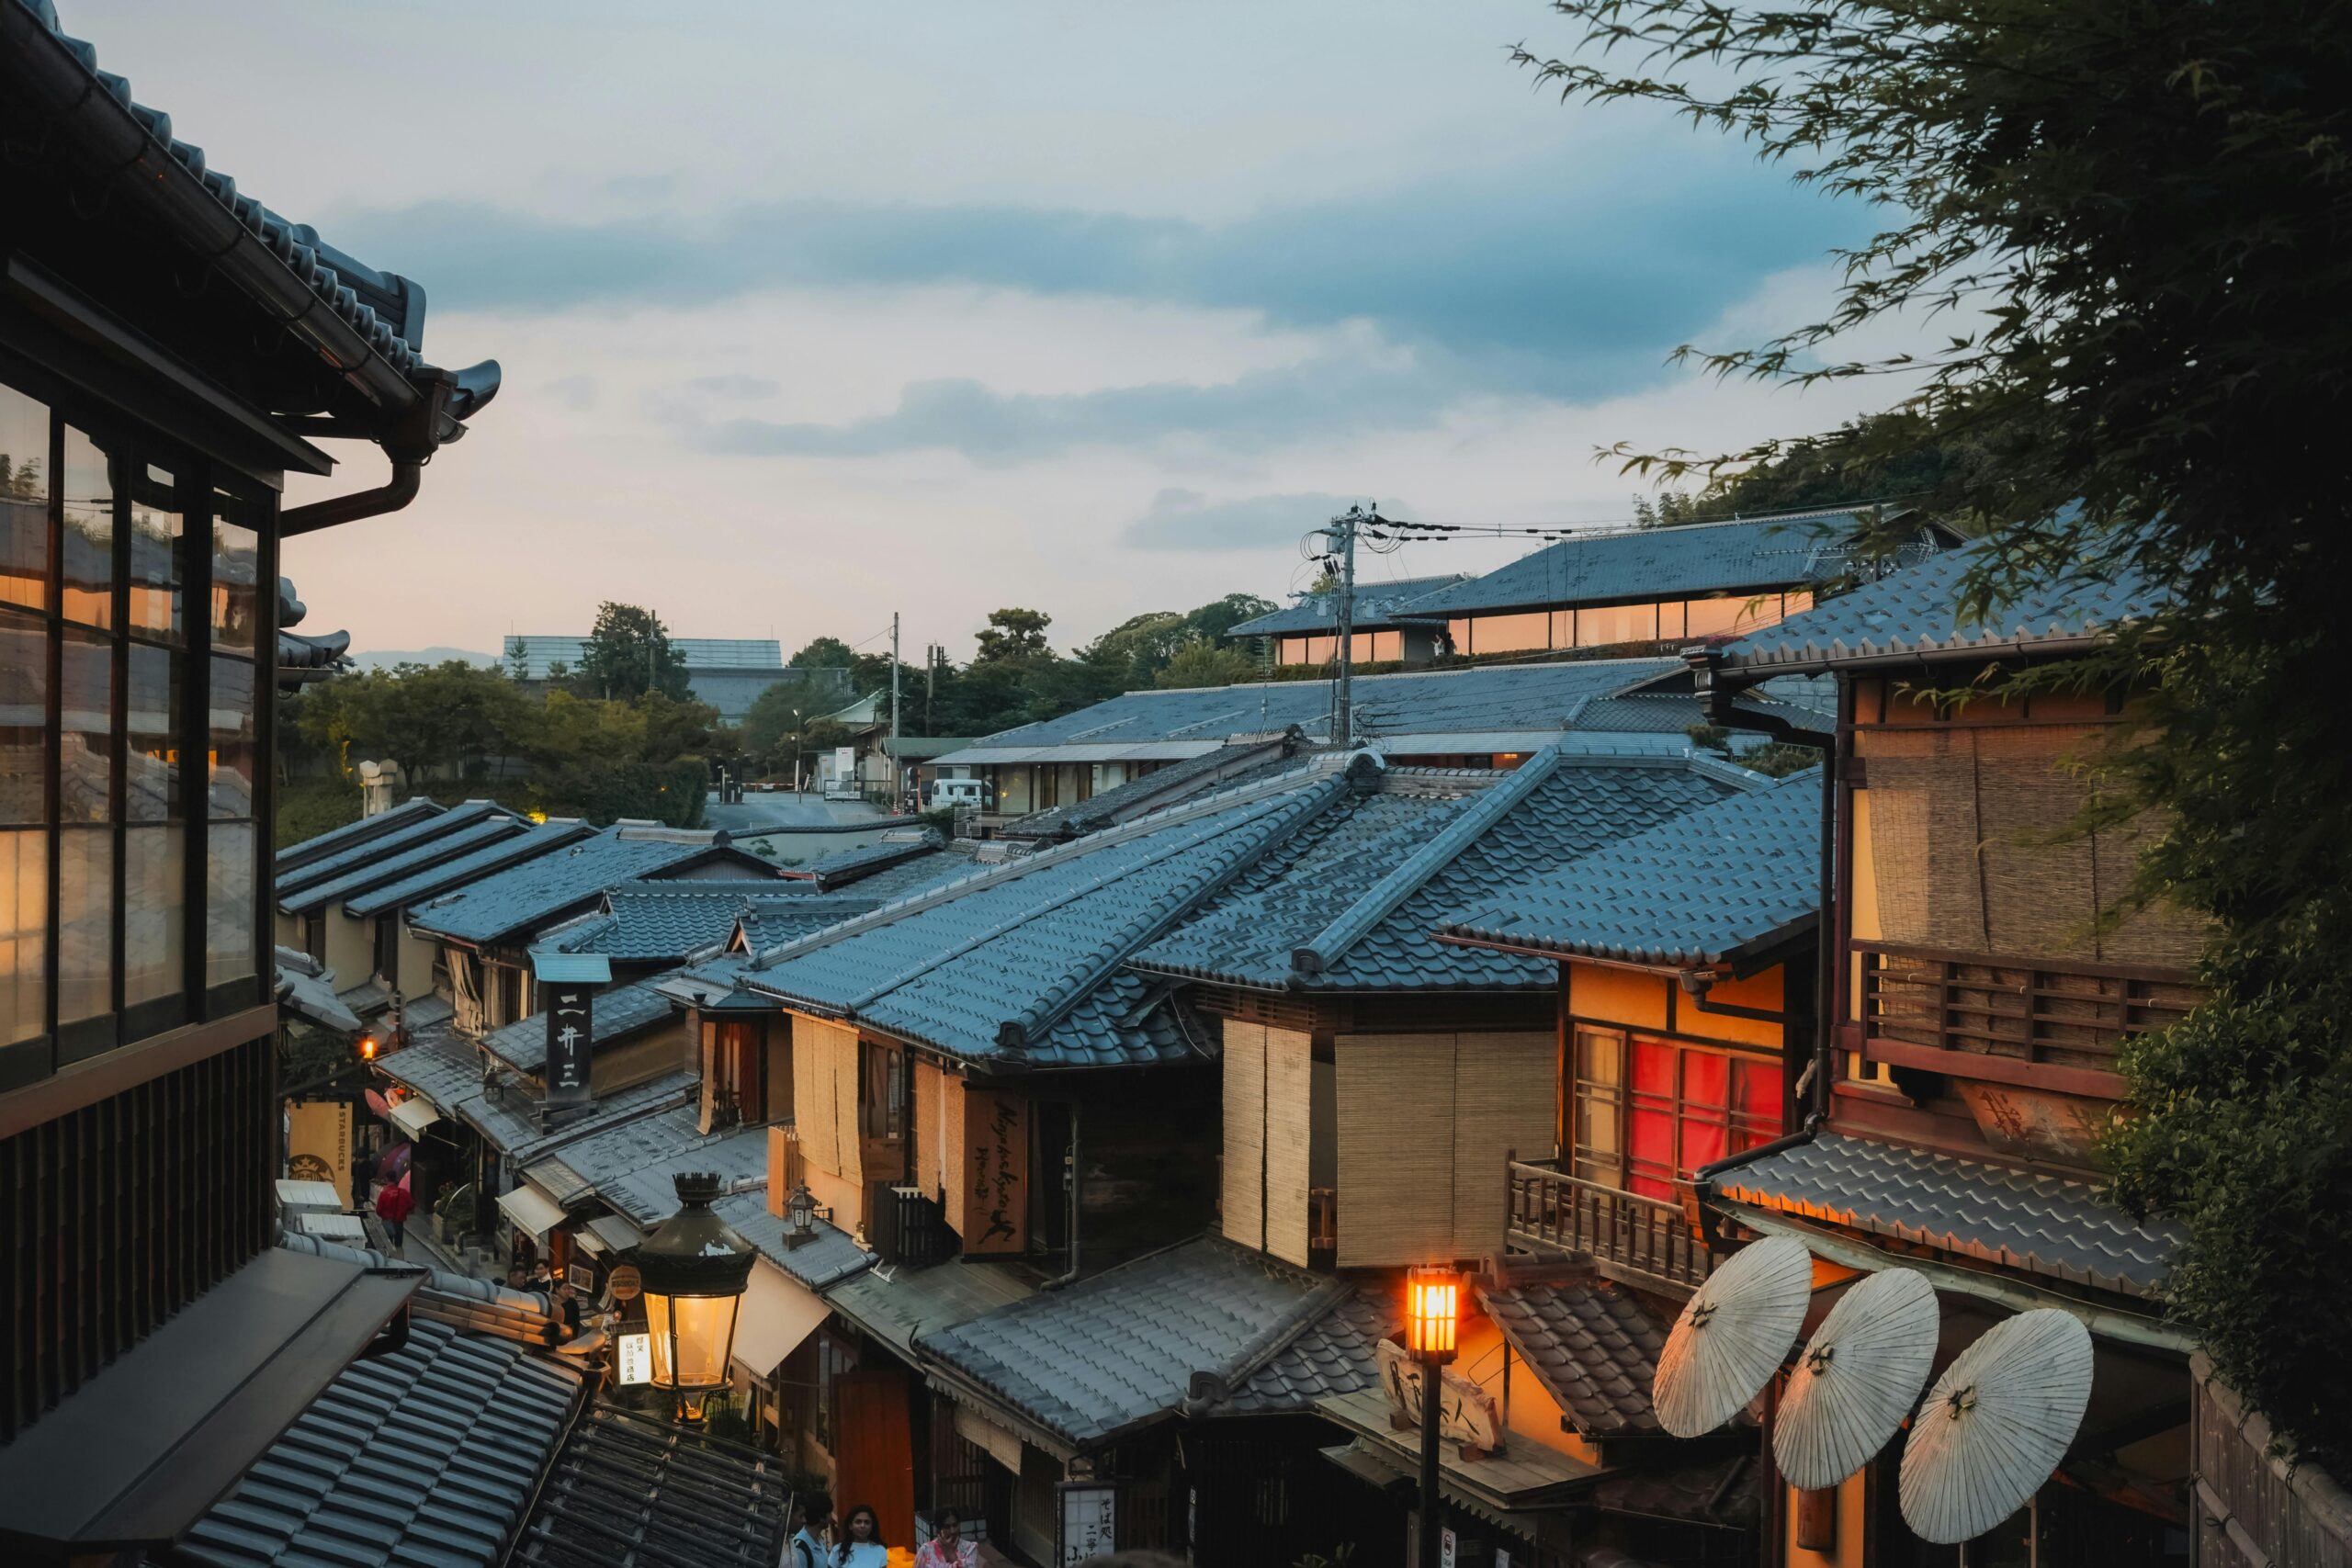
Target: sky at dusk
809,314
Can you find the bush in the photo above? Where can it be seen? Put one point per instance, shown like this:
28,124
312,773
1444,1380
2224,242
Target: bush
312,807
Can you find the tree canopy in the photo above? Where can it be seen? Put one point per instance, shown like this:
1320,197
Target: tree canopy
2125,228
630,652
1014,634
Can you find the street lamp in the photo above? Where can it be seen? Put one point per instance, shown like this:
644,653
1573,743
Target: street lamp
1432,1317
694,1270
802,1210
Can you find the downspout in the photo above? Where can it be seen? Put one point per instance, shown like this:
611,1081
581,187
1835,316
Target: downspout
1075,1178
409,443
1718,701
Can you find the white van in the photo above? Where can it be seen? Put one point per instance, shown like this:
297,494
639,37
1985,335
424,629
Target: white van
961,792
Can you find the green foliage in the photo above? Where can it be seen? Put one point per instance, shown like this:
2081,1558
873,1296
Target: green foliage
1774,758
824,653
308,807
1014,634
628,653
1204,663
2128,221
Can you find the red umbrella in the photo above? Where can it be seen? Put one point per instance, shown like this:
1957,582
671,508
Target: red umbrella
404,1176
378,1104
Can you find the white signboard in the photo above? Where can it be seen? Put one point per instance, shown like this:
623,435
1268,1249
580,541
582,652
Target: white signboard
1090,1523
635,1358
1448,1550
844,761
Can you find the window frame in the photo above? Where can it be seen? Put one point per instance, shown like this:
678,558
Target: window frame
1742,1130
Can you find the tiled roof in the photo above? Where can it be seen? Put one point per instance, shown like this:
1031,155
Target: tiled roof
1708,886
1350,901
1592,1346
307,990
630,1166
1334,1354
2043,1225
543,888
440,848
844,867
1915,614
894,1305
431,1454
617,1013
541,840
415,829
337,840
1728,1491
1022,961
672,920
446,1068
1118,1350
828,1260
1376,607
1490,698
636,1491
1163,786
1666,563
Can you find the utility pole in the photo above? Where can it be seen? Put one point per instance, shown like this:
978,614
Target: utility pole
896,788
1342,533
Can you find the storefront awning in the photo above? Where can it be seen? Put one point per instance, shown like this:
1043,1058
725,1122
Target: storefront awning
531,1210
414,1115
609,1233
778,1313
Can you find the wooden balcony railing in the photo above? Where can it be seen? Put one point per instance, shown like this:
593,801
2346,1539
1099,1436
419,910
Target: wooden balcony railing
1552,1210
1983,1016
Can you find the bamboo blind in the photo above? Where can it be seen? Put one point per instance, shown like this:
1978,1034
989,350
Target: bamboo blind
1502,1101
1971,842
1289,1134
1244,1211
824,1074
1397,1149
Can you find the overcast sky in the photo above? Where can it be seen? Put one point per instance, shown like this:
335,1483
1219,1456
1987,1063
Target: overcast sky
809,314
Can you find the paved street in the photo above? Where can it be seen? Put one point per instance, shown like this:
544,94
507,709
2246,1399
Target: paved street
784,811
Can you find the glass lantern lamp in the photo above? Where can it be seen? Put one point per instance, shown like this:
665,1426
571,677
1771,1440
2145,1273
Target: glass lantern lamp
1432,1329
693,1270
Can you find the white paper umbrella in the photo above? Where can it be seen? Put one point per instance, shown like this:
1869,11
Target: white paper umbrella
1856,1379
1732,1335
1995,1425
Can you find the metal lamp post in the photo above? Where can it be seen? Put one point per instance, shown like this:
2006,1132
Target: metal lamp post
695,1270
1432,1315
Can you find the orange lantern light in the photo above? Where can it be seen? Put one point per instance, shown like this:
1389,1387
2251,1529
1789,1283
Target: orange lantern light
1432,1314
367,1047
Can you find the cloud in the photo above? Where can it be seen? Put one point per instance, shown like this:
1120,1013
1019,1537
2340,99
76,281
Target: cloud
1544,280
1181,519
742,387
577,392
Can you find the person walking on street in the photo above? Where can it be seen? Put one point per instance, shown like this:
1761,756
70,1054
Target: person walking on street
861,1544
807,1548
947,1548
392,1206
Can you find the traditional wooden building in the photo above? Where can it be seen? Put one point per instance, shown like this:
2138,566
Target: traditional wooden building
170,350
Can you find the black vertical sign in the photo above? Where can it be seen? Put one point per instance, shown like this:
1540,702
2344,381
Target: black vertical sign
568,1023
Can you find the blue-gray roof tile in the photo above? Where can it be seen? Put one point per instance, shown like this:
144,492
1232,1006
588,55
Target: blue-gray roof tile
1117,1351
433,882
1700,559
1378,606
337,840
1915,614
411,831
831,1258
545,889
2043,1225
441,849
617,1013
671,921
1711,886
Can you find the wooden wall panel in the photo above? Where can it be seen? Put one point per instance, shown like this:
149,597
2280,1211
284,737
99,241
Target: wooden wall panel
1243,1178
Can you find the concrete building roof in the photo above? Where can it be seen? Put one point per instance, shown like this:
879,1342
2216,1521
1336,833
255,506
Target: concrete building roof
1711,886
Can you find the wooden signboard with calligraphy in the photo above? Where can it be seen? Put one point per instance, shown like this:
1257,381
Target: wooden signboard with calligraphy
994,1181
570,1029
1466,1412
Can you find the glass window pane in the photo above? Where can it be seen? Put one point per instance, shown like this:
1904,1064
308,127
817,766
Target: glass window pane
232,725
86,722
1527,633
1606,626
157,544
1732,613
236,575
150,784
1706,1078
85,923
24,933
1457,632
89,530
24,719
155,902
24,500
1669,621
228,902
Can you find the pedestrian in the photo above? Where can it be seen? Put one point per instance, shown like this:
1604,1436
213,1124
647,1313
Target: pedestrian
392,1206
517,1277
567,1306
816,1517
861,1545
947,1548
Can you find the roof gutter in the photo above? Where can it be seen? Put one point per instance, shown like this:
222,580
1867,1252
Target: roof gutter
1718,699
